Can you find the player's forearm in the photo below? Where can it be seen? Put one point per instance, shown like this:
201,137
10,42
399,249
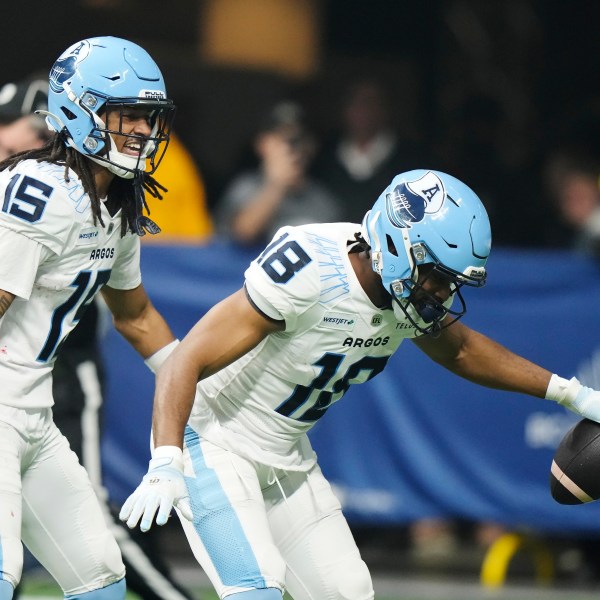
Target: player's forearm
136,319
494,366
488,363
147,333
477,358
173,400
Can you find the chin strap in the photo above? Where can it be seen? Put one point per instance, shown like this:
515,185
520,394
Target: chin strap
429,311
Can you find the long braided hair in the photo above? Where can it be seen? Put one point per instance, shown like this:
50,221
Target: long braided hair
126,193
358,244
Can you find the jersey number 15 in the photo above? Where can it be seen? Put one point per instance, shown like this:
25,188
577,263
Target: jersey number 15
19,200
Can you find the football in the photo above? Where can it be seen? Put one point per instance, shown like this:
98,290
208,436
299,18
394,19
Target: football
575,470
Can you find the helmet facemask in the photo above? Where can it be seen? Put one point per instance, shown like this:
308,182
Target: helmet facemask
411,299
100,143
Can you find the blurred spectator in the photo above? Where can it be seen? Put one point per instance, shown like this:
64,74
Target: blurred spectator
366,152
183,215
572,183
279,191
20,128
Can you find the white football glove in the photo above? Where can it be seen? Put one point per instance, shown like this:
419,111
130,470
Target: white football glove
162,488
578,398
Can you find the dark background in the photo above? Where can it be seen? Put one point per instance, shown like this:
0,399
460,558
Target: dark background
489,88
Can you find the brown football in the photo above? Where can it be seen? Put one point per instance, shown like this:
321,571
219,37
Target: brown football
575,470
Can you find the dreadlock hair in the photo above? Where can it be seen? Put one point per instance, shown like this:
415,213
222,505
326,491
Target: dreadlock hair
129,195
358,244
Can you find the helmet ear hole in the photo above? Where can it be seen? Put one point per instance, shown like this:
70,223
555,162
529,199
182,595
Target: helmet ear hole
390,245
65,111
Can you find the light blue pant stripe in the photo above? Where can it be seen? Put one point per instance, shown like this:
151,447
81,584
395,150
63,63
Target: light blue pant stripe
6,590
218,525
266,594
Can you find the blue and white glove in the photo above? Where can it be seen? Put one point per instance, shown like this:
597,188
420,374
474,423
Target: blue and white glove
578,398
162,488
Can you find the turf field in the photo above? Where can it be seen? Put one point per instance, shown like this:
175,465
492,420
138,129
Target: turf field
39,587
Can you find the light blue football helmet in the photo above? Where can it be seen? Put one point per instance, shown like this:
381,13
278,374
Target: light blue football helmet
427,218
102,74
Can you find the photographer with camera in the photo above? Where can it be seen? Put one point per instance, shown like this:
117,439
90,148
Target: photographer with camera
280,191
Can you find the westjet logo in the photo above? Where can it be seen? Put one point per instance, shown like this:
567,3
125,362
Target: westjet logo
342,321
87,236
338,321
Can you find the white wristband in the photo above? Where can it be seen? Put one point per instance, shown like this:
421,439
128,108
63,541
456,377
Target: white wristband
155,361
167,455
167,452
563,391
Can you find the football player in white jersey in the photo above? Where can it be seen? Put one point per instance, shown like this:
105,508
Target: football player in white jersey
323,307
70,222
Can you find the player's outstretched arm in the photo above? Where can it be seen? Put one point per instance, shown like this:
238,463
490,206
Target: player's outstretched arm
228,331
480,359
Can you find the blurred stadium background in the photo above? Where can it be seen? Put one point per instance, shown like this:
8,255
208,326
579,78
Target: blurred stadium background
529,66
525,68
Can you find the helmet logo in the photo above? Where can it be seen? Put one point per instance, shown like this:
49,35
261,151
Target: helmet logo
409,202
477,273
66,65
152,94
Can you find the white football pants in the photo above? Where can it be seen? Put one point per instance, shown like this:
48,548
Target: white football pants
47,500
256,527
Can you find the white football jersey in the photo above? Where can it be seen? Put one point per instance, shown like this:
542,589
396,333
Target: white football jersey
263,404
66,259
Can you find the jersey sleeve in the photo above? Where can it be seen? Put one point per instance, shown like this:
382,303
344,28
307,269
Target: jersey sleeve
21,257
126,274
35,205
283,282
